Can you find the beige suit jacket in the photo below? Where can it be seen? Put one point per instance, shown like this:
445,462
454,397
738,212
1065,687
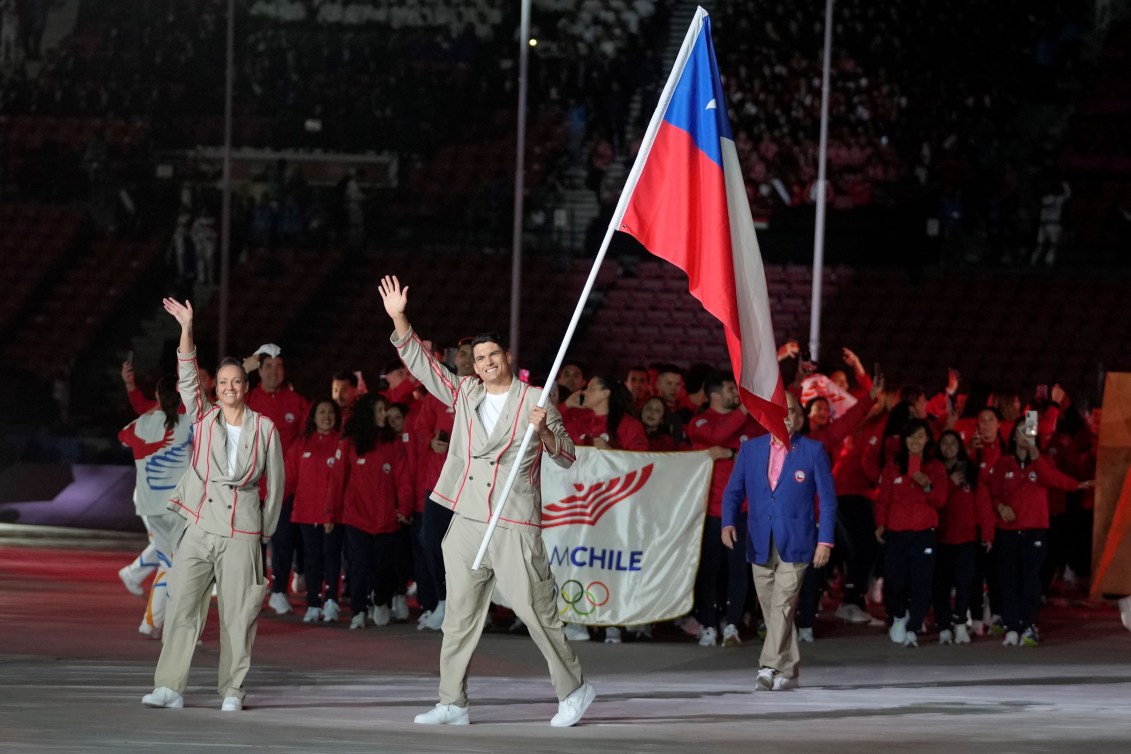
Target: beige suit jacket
478,464
220,500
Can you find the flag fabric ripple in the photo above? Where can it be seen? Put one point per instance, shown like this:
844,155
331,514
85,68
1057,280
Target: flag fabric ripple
689,206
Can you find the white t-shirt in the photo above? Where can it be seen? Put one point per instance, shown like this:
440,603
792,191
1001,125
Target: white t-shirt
491,409
233,446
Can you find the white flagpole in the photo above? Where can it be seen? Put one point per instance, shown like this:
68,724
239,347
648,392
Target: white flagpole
819,231
614,223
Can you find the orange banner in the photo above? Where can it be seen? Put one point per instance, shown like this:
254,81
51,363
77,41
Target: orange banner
1111,535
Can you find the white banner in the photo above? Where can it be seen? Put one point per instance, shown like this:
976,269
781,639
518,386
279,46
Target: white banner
623,533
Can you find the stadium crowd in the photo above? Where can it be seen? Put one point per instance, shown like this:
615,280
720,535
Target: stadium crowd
967,505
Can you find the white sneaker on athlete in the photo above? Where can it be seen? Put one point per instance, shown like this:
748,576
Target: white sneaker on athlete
381,615
231,704
961,635
1011,639
153,632
781,683
421,618
1030,638
708,637
765,679
435,619
357,621
132,586
298,583
444,714
572,708
805,635
910,639
279,603
612,635
313,615
576,632
731,637
898,630
400,608
850,613
946,636
330,611
162,696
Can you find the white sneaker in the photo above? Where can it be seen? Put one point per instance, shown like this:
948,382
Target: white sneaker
850,613
162,696
279,603
1011,639
132,586
381,615
961,635
1124,605
576,632
572,708
731,637
876,591
298,583
153,632
330,611
357,621
421,618
313,615
898,631
946,636
435,620
688,624
978,627
231,704
805,635
910,639
708,637
411,591
444,714
400,608
612,635
765,680
781,683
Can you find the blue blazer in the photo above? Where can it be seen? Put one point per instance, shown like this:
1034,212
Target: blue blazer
786,513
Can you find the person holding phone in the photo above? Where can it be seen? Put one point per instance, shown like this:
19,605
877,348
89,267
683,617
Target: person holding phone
1014,512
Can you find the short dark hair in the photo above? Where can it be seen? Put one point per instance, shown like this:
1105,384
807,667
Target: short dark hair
393,366
345,376
714,381
490,337
668,369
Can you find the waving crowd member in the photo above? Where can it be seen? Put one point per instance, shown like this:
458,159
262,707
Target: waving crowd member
233,449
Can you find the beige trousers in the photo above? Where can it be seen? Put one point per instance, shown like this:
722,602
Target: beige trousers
236,565
516,562
778,584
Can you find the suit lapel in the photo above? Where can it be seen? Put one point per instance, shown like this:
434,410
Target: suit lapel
501,433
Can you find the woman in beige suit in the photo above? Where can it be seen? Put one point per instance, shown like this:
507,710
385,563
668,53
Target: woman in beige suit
233,448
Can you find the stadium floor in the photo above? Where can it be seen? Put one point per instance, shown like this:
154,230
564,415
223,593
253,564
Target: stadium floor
74,669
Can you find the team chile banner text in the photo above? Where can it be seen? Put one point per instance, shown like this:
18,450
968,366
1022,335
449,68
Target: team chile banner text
623,532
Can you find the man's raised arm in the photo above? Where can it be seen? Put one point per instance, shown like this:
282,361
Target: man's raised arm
435,378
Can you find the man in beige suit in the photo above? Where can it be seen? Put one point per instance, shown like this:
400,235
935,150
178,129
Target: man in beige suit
233,448
491,414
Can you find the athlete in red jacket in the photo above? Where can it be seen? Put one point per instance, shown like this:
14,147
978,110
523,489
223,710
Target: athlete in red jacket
723,573
956,557
913,487
1013,505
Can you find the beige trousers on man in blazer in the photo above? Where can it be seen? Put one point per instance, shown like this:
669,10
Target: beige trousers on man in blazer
778,584
516,561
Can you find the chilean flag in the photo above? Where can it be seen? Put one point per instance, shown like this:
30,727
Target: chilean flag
685,201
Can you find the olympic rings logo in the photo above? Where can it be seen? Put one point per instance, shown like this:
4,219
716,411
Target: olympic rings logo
583,600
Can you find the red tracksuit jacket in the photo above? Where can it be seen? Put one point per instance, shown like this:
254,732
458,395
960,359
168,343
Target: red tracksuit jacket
374,487
709,429
1024,489
958,520
903,505
309,465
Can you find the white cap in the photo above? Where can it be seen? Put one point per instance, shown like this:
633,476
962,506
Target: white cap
270,349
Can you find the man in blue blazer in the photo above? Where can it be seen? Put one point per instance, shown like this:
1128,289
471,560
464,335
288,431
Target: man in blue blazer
785,534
